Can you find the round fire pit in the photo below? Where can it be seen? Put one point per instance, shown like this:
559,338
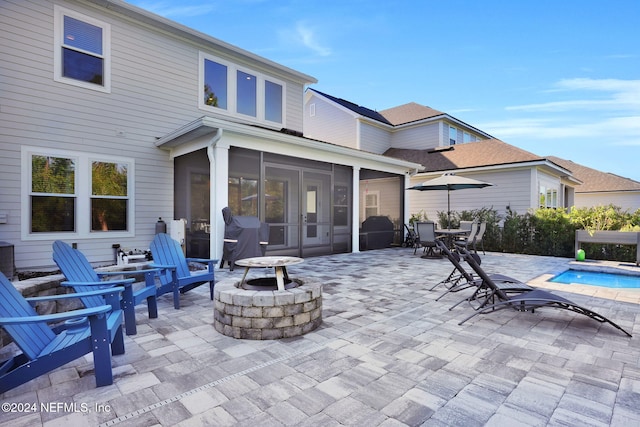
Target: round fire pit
260,314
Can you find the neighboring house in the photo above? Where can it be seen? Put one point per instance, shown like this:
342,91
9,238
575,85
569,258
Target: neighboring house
442,143
112,116
521,180
409,126
602,188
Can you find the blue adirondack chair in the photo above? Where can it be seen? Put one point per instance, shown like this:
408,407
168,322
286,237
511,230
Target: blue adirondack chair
82,277
96,330
177,278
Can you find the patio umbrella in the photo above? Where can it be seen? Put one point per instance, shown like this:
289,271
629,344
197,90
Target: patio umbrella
449,182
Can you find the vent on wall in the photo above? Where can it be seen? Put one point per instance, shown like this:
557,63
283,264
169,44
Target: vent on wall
6,260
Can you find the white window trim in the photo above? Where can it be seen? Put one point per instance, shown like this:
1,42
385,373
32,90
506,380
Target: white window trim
367,206
551,191
59,14
232,89
82,195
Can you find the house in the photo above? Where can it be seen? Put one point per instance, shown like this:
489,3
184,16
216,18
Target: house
521,180
443,144
602,188
113,117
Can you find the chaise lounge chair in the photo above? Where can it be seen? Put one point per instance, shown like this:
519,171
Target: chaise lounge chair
460,279
89,330
178,278
528,300
82,277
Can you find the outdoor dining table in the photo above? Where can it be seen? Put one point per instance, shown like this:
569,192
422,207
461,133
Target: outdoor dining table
449,234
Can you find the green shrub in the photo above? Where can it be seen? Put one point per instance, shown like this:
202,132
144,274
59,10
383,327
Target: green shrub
551,232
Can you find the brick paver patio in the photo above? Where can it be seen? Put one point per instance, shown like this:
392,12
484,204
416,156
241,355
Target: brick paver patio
386,354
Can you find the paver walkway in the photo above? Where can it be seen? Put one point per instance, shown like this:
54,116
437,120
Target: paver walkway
387,354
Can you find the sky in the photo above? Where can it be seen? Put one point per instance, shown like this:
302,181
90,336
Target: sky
553,77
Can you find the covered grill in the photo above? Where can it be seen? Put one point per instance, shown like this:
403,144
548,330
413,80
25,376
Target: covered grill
376,233
244,237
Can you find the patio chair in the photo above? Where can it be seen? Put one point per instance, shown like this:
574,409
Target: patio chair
478,238
469,238
528,300
466,225
177,278
82,277
96,330
426,232
460,279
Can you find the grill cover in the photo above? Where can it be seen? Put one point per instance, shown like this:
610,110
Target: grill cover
244,237
377,232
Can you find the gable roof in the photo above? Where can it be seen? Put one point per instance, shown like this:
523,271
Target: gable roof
408,113
405,114
594,180
395,116
488,152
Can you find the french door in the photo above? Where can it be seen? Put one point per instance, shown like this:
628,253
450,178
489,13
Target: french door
298,209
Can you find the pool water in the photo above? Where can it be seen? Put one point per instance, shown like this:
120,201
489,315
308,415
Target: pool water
608,280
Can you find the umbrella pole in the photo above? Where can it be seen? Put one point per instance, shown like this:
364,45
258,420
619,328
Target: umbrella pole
448,209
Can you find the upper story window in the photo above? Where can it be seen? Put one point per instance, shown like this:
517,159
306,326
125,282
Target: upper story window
453,135
76,193
235,90
81,55
467,137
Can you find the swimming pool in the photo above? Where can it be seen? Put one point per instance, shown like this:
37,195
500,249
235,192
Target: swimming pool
594,278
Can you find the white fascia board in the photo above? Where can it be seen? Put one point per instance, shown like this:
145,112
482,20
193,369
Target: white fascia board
442,118
290,145
261,139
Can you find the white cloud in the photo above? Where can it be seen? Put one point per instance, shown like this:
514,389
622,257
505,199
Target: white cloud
306,36
602,110
623,95
623,130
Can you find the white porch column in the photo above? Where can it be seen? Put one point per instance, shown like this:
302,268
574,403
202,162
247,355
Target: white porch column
407,204
218,153
355,211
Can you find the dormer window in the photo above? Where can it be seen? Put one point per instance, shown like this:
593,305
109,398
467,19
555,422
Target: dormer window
453,135
230,89
467,137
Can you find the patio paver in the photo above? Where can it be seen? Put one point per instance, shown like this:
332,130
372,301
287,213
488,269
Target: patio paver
386,354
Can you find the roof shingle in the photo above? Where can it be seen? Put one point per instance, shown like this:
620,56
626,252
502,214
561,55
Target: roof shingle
408,113
595,180
487,152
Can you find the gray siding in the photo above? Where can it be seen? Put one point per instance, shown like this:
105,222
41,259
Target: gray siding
626,200
330,123
417,138
374,139
511,188
154,90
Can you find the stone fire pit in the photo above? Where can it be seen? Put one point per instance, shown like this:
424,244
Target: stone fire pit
267,314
